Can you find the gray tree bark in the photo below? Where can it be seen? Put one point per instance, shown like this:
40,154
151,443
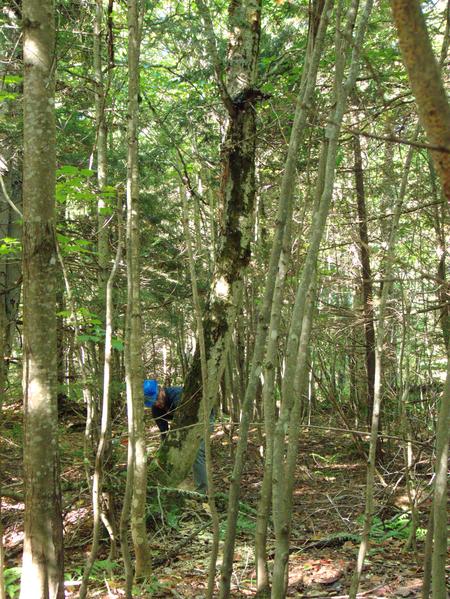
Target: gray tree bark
380,340
105,424
240,96
133,340
315,46
281,502
42,566
440,514
206,412
284,213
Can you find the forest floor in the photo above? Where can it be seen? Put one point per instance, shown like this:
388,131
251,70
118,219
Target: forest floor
328,503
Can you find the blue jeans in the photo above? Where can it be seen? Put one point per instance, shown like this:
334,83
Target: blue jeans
199,470
199,467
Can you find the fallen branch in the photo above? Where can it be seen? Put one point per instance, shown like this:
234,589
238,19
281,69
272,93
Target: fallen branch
170,555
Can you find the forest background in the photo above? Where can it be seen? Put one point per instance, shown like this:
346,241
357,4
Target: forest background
240,199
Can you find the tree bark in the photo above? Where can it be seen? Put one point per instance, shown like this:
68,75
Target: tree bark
178,451
206,412
380,341
105,424
281,502
279,244
133,349
426,82
440,515
366,275
42,567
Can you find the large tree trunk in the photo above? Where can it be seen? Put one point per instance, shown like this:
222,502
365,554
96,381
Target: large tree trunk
237,196
42,570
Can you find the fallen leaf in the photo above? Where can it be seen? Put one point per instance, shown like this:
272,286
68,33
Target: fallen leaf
348,545
327,575
404,592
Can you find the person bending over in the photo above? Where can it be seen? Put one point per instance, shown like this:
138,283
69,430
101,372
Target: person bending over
163,402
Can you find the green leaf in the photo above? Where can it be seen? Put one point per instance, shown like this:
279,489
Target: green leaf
67,170
106,211
7,96
86,172
11,79
9,245
86,338
117,344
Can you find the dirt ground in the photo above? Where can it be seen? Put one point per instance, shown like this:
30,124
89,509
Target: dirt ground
328,503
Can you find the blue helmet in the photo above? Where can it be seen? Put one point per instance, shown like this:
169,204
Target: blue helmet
150,392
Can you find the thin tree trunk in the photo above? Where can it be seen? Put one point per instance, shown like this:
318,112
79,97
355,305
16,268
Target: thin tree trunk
207,409
427,556
263,585
103,252
2,396
366,275
379,352
42,565
262,570
134,366
283,216
102,155
281,503
105,419
440,540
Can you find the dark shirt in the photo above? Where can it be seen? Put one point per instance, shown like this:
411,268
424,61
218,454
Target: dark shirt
162,416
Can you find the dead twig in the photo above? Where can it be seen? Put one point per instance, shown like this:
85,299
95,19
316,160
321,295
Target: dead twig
170,555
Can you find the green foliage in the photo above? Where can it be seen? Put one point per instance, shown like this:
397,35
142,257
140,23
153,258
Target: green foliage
244,525
73,185
12,79
397,527
9,246
4,95
100,569
172,510
149,588
69,245
12,581
15,431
